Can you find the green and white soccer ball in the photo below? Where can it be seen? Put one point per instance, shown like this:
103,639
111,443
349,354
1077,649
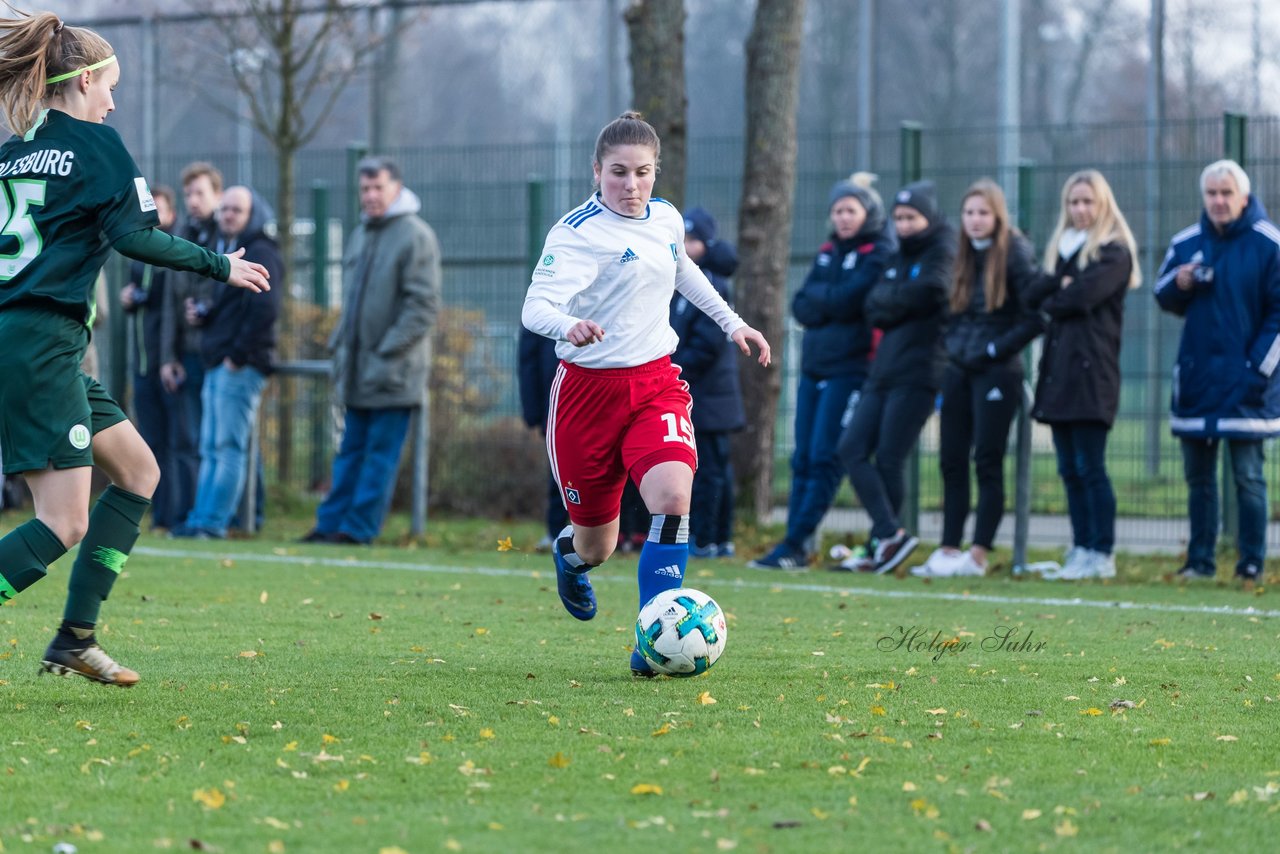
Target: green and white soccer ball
681,632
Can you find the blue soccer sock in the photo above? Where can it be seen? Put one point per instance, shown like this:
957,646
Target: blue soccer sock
664,556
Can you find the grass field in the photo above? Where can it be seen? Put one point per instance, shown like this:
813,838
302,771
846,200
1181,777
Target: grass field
390,699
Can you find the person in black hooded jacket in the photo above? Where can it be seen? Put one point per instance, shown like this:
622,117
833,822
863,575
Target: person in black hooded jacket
990,324
909,306
708,362
237,346
834,358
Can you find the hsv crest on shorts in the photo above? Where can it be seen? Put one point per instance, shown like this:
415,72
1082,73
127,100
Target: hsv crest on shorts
572,496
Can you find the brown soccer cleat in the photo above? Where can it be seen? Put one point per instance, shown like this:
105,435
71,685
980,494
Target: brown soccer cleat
90,661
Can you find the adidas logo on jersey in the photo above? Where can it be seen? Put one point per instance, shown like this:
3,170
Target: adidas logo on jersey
628,256
671,571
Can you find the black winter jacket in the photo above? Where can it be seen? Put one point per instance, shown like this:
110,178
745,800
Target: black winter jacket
977,339
538,364
708,359
1080,364
241,324
829,305
910,305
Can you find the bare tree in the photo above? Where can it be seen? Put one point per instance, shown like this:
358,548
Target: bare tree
656,31
292,59
764,223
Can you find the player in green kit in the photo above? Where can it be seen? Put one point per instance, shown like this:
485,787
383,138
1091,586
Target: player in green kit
69,193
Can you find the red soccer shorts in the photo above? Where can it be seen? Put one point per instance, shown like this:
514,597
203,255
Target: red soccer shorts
604,424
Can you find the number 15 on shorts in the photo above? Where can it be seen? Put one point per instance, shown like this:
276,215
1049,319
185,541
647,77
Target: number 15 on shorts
681,433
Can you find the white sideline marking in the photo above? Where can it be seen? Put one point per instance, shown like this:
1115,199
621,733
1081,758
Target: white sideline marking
1073,602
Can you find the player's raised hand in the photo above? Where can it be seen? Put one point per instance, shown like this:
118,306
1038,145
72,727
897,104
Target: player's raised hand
584,332
249,275
744,336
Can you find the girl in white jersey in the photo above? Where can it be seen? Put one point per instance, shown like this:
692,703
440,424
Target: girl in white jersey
603,290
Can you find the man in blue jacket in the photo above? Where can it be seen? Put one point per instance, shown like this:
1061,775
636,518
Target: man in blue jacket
1223,276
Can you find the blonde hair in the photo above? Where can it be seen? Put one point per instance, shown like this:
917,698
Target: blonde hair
33,48
1109,226
994,285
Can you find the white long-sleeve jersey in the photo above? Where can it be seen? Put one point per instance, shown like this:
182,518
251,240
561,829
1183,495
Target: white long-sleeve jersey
621,273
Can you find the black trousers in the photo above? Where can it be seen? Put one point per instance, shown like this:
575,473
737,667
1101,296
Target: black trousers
977,409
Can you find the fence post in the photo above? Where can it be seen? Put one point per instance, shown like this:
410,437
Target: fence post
909,153
534,235
320,426
355,153
1022,458
1233,147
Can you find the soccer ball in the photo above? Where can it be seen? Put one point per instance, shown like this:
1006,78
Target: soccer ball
681,632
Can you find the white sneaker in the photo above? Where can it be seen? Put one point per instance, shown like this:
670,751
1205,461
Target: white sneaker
1106,564
1086,564
969,566
940,564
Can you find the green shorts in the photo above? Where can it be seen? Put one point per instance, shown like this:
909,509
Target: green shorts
49,409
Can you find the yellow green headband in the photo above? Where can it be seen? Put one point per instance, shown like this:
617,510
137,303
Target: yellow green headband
58,79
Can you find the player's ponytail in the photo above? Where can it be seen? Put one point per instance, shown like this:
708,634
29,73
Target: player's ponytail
33,49
630,128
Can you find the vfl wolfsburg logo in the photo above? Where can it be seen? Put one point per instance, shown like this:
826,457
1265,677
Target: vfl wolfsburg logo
548,260
79,437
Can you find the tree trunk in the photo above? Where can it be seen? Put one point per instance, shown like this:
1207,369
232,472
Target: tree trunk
764,227
656,31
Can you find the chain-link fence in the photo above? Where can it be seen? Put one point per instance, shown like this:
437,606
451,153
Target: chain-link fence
491,207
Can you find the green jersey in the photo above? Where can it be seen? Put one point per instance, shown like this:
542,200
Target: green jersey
68,190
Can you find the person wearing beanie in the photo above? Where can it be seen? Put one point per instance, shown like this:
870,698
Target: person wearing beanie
835,357
709,364
908,305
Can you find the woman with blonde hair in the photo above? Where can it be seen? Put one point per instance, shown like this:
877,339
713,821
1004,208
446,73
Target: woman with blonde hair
989,325
1092,256
76,194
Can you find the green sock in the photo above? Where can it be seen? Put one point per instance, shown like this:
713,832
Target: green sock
25,555
113,529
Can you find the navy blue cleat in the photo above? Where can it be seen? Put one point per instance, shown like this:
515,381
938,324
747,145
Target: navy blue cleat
640,667
574,587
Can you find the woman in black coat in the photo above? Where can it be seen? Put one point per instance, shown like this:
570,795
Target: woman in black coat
1092,255
909,304
989,325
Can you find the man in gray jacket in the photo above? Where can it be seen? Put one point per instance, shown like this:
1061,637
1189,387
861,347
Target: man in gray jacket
381,350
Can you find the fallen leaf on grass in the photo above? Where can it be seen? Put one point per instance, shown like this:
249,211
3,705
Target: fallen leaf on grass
212,799
662,730
262,597
1118,705
1092,711
505,545
249,653
1203,796
706,699
1031,815
559,760
1066,828
1159,742
983,825
374,615
1227,738
935,711
646,789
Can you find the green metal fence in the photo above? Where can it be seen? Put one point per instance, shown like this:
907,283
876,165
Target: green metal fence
490,205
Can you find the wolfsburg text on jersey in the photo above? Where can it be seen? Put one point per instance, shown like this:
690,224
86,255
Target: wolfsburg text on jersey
46,161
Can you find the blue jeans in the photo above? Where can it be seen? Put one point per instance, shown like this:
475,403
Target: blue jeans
230,400
815,467
1200,464
364,473
1082,465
